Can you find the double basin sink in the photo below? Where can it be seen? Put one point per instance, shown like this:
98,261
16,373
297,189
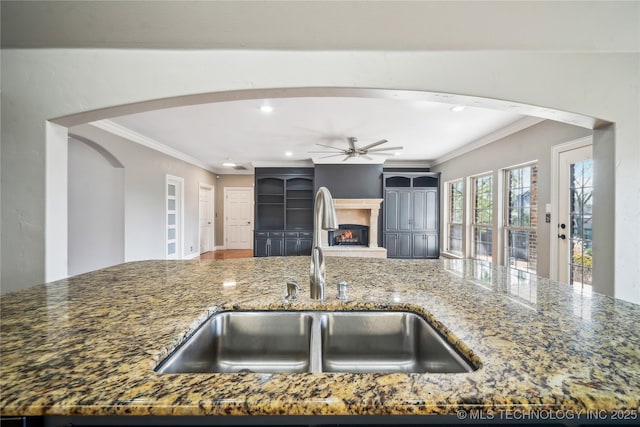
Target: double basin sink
315,341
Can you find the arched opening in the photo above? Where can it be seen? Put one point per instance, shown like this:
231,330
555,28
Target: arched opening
603,141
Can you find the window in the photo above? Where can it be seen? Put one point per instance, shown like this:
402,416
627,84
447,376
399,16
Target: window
455,217
521,218
482,218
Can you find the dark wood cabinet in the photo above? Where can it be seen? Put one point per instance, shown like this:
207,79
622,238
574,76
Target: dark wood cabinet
298,243
411,215
268,243
283,211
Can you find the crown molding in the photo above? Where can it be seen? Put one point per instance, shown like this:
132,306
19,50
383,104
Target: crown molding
283,164
133,136
407,164
514,127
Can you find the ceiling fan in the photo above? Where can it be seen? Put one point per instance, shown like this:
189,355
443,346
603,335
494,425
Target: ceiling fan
353,151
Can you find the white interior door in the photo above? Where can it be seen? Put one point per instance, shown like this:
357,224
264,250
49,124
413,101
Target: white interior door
575,207
238,211
206,218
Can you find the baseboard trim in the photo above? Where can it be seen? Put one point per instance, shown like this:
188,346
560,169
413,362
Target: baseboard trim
191,256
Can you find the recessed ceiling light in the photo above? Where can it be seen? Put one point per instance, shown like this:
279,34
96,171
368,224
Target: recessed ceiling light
229,164
457,108
288,153
266,108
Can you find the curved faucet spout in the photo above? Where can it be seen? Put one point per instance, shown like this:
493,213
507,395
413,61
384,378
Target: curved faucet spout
324,217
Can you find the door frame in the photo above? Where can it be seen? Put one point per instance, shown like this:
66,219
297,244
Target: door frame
252,198
212,205
556,150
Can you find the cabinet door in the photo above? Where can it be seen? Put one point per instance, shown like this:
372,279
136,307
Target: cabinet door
291,246
431,211
276,247
260,247
390,213
404,245
419,245
397,210
418,210
304,246
433,246
425,210
391,244
398,245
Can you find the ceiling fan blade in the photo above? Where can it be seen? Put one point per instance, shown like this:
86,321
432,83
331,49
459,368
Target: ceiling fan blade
320,152
332,155
346,158
367,157
333,148
382,154
375,144
386,149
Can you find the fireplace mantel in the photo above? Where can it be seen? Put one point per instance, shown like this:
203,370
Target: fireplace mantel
357,211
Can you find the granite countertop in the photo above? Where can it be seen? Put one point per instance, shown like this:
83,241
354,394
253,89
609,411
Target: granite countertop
88,345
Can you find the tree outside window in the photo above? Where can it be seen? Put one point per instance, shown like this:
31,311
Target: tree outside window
455,216
521,218
482,225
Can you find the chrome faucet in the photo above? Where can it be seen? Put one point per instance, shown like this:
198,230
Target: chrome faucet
324,218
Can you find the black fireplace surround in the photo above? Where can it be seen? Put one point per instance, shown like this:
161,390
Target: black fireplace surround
349,234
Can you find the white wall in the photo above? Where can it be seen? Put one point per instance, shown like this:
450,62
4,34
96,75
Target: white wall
40,84
96,209
531,144
145,173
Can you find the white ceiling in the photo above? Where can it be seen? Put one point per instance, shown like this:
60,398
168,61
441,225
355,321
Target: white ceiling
239,132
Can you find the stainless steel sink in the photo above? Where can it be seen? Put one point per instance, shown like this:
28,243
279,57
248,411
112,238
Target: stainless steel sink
315,341
385,342
236,341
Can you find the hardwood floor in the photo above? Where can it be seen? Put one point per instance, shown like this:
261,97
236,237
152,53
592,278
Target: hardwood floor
228,254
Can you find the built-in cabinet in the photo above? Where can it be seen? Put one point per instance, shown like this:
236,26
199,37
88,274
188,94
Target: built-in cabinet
411,215
283,211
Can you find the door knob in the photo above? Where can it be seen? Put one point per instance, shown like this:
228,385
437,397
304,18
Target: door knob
562,236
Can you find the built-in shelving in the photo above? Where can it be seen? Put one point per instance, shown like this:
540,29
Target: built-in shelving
284,202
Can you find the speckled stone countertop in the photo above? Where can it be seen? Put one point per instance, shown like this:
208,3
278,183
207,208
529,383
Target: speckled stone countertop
88,345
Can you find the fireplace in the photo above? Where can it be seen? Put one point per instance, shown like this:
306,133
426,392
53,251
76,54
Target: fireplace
355,215
349,234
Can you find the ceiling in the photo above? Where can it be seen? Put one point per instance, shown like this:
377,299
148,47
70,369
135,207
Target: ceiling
209,134
239,132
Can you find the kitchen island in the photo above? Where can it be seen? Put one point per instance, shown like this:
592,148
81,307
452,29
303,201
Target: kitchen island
88,345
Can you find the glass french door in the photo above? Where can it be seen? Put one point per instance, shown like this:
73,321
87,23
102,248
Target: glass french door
174,224
575,214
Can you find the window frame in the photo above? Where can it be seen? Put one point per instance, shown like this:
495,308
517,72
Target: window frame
531,229
448,218
473,215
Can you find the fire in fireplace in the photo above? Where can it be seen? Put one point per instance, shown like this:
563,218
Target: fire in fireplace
349,234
